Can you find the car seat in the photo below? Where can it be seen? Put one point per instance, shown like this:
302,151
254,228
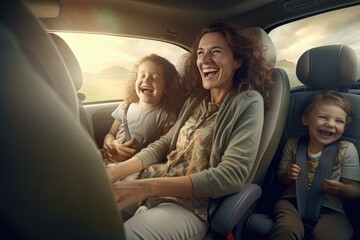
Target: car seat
74,68
53,184
228,217
333,67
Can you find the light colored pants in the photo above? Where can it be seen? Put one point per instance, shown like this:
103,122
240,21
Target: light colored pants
167,221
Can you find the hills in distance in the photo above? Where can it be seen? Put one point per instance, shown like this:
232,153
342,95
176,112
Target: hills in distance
124,72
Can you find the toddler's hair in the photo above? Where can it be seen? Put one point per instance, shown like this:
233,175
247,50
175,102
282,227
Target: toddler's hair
331,97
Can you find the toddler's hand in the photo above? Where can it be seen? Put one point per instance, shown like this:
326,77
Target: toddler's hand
293,171
331,186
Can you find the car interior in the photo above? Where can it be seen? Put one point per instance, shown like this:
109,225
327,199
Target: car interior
344,72
53,182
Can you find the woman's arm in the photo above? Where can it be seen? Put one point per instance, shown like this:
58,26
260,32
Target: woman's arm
156,152
129,192
237,137
124,169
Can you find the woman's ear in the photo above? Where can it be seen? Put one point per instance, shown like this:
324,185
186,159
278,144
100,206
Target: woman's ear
305,120
238,63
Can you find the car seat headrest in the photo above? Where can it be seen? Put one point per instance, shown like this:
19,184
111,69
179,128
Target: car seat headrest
331,67
180,64
70,60
259,35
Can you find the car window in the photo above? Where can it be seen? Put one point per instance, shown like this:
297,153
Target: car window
335,27
106,61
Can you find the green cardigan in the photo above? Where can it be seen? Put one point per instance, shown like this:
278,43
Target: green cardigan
236,141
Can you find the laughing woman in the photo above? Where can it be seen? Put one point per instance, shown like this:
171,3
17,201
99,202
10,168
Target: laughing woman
210,150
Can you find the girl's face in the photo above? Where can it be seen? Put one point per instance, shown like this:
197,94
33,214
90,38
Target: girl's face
150,84
216,64
326,124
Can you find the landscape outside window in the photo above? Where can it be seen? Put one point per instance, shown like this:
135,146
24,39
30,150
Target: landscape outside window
336,27
106,61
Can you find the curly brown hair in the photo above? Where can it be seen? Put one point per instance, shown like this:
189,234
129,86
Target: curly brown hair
172,99
255,72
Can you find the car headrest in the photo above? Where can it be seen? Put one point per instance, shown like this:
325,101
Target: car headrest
70,60
261,36
331,66
180,64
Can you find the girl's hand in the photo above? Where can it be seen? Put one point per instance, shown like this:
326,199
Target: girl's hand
117,152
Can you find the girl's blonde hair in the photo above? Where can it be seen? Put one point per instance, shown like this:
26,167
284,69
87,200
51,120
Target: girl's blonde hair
172,99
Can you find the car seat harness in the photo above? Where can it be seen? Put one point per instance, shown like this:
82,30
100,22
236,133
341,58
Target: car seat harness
309,201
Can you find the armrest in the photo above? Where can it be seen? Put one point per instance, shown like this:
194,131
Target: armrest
233,208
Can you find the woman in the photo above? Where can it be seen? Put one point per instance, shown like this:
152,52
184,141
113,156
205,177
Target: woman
211,148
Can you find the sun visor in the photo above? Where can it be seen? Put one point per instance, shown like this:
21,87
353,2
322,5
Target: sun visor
44,9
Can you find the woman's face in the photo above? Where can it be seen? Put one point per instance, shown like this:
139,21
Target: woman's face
216,63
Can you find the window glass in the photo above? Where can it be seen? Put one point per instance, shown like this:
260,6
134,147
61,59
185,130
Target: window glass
335,27
107,60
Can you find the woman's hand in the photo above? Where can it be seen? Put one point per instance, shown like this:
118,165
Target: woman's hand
117,152
129,192
124,169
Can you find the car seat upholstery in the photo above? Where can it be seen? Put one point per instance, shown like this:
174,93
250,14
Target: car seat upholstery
333,67
53,184
35,43
74,68
229,216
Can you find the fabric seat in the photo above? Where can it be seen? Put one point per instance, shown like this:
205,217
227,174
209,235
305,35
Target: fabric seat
333,67
74,68
53,183
231,214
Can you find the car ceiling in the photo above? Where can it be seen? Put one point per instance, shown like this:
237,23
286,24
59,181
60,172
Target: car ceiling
176,21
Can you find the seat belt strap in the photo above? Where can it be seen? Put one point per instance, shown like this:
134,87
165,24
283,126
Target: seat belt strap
301,183
125,123
309,203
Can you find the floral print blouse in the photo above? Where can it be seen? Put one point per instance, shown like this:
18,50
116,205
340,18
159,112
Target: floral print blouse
191,155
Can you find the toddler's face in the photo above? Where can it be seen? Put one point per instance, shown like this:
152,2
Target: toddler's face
326,124
150,84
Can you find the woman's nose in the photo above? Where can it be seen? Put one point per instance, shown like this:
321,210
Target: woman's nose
206,57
